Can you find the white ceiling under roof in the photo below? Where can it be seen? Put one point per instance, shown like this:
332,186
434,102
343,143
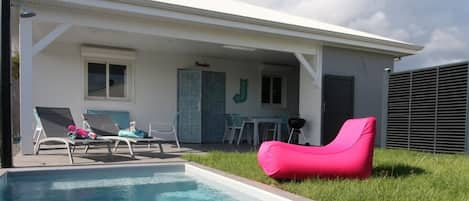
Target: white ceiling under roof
241,16
84,35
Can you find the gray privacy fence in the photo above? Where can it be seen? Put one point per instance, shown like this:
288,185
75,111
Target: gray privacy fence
427,109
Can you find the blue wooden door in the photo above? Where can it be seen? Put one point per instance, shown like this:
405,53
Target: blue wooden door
213,106
189,106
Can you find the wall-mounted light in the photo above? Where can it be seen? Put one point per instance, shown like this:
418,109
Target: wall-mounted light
202,64
235,47
26,13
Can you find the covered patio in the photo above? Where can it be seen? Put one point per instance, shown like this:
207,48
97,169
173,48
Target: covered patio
62,50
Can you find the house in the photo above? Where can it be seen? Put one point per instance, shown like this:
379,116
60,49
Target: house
125,55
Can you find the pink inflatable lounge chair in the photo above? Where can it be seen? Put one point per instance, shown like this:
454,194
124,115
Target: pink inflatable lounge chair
350,155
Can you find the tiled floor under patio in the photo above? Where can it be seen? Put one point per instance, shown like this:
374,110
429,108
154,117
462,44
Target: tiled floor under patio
57,155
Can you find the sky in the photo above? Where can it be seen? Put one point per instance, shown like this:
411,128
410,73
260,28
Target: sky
442,27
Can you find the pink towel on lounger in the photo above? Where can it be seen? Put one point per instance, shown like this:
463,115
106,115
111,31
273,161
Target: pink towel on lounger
80,133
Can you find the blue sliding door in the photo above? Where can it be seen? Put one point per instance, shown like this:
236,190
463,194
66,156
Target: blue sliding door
213,107
201,106
189,106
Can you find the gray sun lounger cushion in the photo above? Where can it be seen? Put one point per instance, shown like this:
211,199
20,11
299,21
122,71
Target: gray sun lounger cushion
101,124
55,122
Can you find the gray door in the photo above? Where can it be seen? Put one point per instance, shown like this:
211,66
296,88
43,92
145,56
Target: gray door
189,106
338,93
213,106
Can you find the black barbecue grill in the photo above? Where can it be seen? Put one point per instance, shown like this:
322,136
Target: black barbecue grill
296,124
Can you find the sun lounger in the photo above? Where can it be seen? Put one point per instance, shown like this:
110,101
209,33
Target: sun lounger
104,127
54,122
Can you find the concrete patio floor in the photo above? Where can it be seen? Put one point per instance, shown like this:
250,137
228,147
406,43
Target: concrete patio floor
55,155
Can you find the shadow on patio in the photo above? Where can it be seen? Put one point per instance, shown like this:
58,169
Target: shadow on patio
57,156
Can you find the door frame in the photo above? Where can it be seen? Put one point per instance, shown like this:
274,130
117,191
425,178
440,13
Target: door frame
323,100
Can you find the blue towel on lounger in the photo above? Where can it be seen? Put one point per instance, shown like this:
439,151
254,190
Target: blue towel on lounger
130,134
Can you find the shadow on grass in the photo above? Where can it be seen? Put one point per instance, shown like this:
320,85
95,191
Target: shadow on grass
397,171
195,148
381,171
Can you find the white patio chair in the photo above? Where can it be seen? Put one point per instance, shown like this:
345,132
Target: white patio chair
240,125
227,133
165,129
232,125
273,130
270,130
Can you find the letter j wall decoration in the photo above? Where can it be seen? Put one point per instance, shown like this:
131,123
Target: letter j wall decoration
242,96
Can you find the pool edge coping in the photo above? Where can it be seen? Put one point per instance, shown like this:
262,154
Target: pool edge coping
88,166
252,183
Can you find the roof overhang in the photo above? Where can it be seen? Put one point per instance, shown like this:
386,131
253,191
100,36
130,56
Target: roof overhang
210,17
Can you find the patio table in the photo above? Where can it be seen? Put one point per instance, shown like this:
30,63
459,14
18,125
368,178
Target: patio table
258,120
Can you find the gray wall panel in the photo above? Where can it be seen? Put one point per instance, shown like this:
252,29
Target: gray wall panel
368,70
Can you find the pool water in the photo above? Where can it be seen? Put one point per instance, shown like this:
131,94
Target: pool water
168,183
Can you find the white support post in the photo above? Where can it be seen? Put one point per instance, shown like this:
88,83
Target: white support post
308,67
50,37
26,85
310,103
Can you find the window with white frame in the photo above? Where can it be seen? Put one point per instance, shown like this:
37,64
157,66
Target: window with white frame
107,79
273,90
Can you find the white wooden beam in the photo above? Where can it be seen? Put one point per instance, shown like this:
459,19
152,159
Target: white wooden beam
26,85
308,67
50,37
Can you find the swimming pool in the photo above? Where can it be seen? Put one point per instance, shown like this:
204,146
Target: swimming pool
171,182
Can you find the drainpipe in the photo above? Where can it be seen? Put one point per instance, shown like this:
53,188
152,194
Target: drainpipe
384,112
5,113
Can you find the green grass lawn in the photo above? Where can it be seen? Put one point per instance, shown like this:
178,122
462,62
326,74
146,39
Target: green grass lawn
397,175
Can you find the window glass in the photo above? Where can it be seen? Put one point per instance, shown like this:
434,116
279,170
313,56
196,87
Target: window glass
97,79
265,89
276,90
117,80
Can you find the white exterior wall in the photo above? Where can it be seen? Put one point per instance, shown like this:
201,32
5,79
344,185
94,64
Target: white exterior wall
58,80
